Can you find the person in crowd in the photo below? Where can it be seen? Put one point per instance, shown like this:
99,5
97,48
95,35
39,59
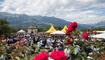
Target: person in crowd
78,48
44,42
61,46
67,51
49,41
39,45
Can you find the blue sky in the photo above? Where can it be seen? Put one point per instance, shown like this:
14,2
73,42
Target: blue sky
96,8
1,0
81,11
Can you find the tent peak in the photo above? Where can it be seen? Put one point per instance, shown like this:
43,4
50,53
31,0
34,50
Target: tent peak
64,29
51,30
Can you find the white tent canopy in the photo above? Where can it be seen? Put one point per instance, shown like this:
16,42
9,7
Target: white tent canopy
21,31
58,32
99,35
100,31
103,32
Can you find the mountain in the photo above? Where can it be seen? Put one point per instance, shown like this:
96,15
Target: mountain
22,20
100,24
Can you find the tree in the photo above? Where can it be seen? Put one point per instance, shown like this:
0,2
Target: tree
40,29
5,28
58,27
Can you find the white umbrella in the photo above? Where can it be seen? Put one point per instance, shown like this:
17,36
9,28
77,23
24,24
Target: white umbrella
99,35
58,32
21,31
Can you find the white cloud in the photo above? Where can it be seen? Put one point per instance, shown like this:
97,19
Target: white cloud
67,9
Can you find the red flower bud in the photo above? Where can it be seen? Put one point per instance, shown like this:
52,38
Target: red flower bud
69,42
95,32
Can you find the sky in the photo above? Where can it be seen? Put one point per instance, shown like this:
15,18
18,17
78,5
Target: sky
81,11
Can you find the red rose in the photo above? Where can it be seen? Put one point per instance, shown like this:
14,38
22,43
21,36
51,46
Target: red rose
58,55
41,56
88,30
6,41
101,57
70,29
85,35
23,41
72,26
17,43
75,25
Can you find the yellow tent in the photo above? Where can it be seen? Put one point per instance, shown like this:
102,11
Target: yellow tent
51,30
64,29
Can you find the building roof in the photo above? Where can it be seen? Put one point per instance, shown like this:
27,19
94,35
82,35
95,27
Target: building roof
32,26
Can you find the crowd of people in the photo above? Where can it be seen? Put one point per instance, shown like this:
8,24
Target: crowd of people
34,42
42,41
49,43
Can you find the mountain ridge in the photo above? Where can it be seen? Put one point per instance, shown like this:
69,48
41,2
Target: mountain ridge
23,20
100,24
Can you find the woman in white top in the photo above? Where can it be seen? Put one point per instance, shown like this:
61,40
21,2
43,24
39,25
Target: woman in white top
67,51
